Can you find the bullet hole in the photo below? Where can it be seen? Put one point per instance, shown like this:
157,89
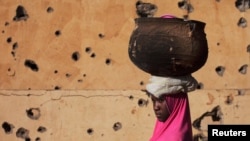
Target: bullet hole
248,48
79,80
58,33
27,139
190,8
33,113
67,75
145,9
13,53
200,137
184,4
101,35
242,5
142,102
38,139
90,131
7,23
22,133
75,56
141,83
229,99
242,22
88,49
15,46
41,129
241,92
31,64
11,72
200,86
117,126
133,111
55,71
243,69
57,88
220,70
92,55
131,97
108,61
50,9
7,127
21,14
216,115
9,40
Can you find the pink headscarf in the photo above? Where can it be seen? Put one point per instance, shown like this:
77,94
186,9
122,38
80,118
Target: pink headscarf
168,16
178,126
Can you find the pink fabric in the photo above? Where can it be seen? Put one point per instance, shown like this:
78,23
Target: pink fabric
178,126
168,16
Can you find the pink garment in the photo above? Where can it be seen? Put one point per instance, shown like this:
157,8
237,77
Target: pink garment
178,126
168,16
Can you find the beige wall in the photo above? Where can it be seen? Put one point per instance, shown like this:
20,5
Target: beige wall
74,96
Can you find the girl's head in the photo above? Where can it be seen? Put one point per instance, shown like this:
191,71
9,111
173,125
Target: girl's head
160,107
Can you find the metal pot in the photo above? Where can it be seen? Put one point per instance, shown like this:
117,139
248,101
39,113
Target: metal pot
168,47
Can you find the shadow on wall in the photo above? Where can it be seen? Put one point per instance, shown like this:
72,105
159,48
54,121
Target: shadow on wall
215,116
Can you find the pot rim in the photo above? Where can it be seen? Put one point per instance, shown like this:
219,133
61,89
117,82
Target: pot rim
167,20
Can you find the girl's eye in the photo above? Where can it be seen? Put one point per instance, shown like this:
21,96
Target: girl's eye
161,100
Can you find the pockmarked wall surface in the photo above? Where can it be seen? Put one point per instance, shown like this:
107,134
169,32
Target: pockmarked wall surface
66,75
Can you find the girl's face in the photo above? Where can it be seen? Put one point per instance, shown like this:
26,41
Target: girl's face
160,108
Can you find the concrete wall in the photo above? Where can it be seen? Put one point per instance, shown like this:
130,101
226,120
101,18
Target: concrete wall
66,74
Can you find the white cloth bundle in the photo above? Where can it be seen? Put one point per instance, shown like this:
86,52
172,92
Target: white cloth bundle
171,85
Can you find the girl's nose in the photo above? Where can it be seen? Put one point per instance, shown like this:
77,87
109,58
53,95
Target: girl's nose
156,106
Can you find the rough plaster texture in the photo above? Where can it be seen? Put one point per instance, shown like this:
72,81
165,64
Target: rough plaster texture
107,115
69,60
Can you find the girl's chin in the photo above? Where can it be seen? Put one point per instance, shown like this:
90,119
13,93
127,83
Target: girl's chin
161,119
